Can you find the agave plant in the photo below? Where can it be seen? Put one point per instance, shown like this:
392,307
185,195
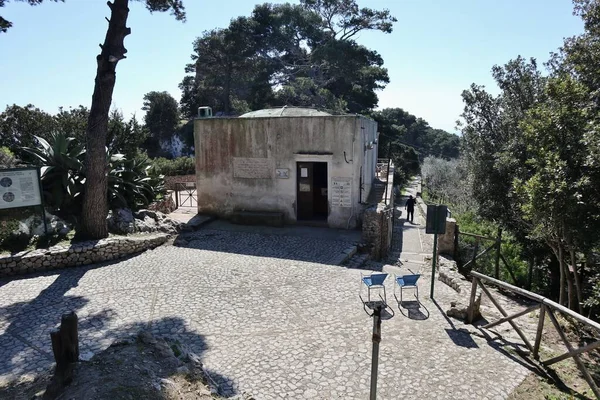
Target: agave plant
61,162
131,184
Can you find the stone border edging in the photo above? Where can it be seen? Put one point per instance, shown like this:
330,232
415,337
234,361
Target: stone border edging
83,253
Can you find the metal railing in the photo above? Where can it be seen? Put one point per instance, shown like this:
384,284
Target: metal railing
546,306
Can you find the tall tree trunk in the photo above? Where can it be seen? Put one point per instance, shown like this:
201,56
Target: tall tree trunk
95,202
566,276
227,91
579,307
558,252
561,267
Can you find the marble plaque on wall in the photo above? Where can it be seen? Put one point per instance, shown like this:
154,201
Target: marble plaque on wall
251,168
341,192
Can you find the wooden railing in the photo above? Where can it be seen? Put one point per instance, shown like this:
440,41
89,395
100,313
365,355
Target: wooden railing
546,306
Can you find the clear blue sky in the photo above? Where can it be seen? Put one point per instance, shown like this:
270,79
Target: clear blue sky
438,48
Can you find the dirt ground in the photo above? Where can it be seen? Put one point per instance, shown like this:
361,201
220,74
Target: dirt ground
144,367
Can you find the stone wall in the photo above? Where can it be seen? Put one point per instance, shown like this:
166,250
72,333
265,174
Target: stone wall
172,181
378,220
448,274
82,253
377,230
447,240
165,206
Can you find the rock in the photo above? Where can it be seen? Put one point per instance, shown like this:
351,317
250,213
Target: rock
460,311
34,226
163,350
142,214
87,356
120,221
166,382
183,370
146,337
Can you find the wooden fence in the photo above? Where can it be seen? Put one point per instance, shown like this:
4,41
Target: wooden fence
546,306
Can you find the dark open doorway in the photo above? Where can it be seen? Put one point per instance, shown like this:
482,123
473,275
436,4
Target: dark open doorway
312,191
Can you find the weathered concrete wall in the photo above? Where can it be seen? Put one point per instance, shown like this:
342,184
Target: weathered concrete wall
368,156
265,145
77,254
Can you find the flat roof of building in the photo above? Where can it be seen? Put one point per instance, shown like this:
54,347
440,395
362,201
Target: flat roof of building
285,112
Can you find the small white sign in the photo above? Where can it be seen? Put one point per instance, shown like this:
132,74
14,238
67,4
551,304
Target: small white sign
303,172
304,187
19,187
282,173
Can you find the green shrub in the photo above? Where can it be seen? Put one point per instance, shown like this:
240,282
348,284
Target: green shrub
177,166
61,161
131,182
7,158
510,249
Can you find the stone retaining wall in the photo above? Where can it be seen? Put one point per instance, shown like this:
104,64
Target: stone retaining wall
377,230
82,253
171,181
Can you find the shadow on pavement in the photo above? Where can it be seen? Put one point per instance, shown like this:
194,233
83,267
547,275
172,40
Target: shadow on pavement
413,310
318,245
25,346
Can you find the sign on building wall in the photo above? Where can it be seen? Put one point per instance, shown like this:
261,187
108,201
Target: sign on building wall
341,192
251,168
19,187
282,173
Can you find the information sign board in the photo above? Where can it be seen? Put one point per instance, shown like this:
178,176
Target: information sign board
436,219
19,187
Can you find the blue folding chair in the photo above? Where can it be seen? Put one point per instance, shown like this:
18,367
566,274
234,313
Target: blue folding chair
406,282
373,281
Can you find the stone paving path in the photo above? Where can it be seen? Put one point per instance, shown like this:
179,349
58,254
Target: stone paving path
269,313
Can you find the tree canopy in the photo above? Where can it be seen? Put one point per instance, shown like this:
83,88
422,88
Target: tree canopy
162,117
407,139
532,152
300,55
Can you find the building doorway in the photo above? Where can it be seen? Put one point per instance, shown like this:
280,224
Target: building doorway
311,190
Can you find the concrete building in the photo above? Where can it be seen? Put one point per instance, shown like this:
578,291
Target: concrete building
302,164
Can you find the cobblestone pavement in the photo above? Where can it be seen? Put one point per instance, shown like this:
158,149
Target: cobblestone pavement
268,313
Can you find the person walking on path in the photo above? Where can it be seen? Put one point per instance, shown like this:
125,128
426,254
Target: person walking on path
410,208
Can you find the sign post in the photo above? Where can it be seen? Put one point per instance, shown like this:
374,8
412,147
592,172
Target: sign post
436,224
375,352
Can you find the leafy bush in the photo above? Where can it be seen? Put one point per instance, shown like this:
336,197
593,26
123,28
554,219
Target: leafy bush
131,182
7,158
177,166
61,162
510,249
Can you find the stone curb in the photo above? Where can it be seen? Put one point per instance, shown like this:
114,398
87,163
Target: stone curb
345,255
83,253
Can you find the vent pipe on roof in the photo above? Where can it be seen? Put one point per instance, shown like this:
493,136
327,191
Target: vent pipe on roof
205,112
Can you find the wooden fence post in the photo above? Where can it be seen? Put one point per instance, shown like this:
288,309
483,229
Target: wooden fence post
65,346
471,310
456,238
498,249
475,250
540,331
